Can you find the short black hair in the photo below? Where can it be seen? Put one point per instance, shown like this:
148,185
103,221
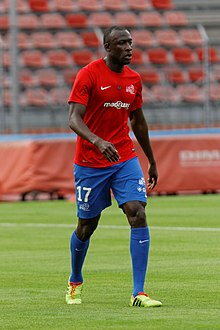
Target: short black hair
108,31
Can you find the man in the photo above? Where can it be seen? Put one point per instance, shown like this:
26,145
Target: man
105,94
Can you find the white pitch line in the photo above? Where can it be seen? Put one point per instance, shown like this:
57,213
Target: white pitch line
56,225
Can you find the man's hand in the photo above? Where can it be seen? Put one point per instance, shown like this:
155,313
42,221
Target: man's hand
153,175
107,149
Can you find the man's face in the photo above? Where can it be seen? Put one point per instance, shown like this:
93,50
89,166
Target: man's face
119,47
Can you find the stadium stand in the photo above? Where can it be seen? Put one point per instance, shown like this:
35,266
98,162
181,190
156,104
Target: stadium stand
58,37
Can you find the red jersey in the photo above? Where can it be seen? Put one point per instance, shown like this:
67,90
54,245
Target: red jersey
109,98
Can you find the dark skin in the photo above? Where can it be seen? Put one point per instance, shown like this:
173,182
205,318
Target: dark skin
118,53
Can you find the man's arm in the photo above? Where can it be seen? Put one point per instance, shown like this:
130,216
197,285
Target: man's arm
140,129
76,123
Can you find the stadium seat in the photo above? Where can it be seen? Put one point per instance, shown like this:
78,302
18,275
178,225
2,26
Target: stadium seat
28,21
6,59
53,21
196,74
90,39
149,75
150,19
58,58
69,75
167,94
7,97
32,58
143,38
114,5
39,5
167,38
68,39
37,97
162,4
212,52
22,6
191,37
138,5
214,92
175,75
216,72
102,19
158,56
60,95
128,19
65,5
183,55
27,78
43,40
24,41
4,22
191,93
47,78
82,57
175,18
77,20
137,56
90,5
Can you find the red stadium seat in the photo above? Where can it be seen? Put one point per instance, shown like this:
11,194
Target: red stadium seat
167,94
175,18
53,21
82,57
191,93
37,97
162,4
149,75
90,5
90,39
215,92
167,38
24,41
212,52
28,21
196,74
128,19
68,39
102,19
27,78
158,56
43,40
138,4
137,56
65,5
47,78
175,75
151,19
78,20
59,58
183,55
143,38
191,37
69,75
32,58
38,5
6,59
22,6
114,5
4,22
60,95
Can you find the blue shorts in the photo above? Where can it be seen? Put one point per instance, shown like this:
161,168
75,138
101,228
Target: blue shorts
94,186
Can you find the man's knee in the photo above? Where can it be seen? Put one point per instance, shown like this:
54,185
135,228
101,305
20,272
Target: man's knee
136,214
86,227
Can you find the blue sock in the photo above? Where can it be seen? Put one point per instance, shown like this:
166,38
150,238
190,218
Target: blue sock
139,247
78,253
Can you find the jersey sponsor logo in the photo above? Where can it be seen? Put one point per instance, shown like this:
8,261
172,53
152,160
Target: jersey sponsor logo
105,87
130,89
118,105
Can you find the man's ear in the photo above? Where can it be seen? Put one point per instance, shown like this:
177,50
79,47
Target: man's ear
107,47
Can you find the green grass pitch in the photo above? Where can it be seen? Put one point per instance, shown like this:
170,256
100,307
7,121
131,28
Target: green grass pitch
183,271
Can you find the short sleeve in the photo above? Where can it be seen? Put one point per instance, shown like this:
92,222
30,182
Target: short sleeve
138,101
81,89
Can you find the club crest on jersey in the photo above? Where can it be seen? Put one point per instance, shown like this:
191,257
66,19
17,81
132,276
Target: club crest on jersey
130,89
